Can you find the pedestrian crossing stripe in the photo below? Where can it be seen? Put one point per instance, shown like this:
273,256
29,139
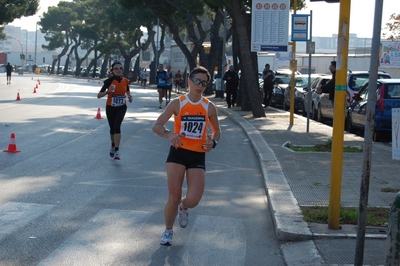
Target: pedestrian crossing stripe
222,239
112,233
101,240
14,215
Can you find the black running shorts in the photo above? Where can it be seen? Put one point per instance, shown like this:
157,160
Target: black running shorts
190,159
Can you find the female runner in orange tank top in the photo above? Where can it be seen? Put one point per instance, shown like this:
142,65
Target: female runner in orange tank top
189,141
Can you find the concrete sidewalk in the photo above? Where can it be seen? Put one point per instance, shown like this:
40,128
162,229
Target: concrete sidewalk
295,179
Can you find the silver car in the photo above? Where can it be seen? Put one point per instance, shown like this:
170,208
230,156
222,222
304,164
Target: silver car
312,95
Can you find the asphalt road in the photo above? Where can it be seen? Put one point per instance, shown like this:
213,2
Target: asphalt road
64,201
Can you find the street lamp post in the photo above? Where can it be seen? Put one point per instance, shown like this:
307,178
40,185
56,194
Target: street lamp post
22,53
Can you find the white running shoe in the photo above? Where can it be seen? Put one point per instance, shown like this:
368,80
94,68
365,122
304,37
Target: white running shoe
183,216
112,151
166,238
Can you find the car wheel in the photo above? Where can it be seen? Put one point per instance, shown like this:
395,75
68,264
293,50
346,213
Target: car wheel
285,107
349,125
303,110
320,117
313,113
376,137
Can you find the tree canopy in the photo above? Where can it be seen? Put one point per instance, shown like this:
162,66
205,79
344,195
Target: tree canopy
13,9
393,26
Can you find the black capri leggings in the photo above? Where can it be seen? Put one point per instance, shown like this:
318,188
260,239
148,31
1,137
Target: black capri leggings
115,115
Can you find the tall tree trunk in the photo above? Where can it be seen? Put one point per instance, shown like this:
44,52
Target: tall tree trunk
242,22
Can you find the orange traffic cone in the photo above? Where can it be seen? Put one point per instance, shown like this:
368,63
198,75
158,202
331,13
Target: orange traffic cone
98,116
18,97
12,147
34,89
32,78
38,81
37,86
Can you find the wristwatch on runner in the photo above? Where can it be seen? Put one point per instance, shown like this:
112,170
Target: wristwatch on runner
214,143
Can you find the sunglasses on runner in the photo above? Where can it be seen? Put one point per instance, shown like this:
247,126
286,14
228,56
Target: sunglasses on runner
118,68
197,81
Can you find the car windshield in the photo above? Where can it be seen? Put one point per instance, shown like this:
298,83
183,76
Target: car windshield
285,79
303,81
359,80
393,91
282,79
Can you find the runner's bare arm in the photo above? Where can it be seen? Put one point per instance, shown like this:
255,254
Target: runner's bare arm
214,122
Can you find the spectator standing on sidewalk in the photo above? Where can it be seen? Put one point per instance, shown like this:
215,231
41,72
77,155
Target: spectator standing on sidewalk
232,83
269,78
9,69
188,144
330,86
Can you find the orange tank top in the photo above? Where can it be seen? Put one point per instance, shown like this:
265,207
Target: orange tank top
118,98
191,123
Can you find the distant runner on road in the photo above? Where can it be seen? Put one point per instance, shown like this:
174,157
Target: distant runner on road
116,88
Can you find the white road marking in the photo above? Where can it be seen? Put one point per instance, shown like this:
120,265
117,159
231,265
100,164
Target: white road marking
17,214
109,234
215,241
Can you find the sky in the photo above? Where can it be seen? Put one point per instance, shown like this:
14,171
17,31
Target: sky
325,16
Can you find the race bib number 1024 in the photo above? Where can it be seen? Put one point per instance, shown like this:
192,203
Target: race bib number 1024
193,126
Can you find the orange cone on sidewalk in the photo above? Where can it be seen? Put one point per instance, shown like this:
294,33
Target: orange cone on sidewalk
38,81
34,89
98,116
12,147
36,86
18,97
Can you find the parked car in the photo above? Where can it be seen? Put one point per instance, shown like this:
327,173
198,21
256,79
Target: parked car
282,80
301,85
388,97
318,80
355,81
315,97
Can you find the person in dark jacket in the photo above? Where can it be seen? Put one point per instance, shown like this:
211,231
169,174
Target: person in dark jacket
269,78
9,69
232,83
330,86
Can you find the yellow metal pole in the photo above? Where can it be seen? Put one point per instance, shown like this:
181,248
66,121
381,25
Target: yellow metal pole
293,66
339,115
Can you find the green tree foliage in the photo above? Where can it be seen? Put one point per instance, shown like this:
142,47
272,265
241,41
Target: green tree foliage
393,26
185,19
56,25
99,26
13,9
